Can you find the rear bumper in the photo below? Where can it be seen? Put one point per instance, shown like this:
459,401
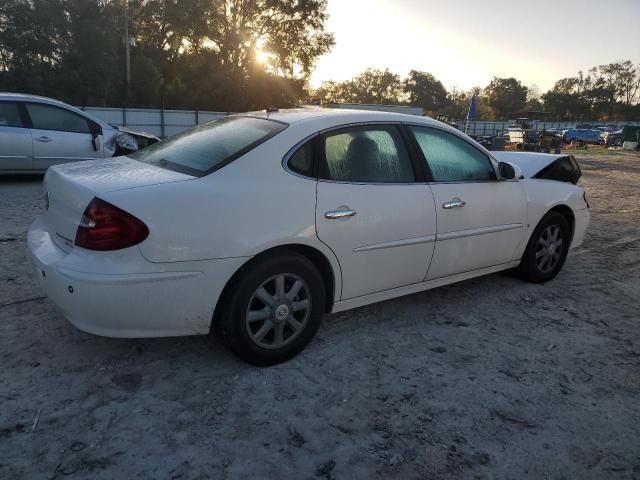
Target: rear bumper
122,294
582,218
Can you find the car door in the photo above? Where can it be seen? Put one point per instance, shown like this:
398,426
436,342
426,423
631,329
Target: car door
378,221
480,218
61,135
16,148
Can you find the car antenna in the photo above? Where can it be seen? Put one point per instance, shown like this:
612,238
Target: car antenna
272,109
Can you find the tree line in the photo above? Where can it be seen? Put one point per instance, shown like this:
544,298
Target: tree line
227,55
606,92
238,55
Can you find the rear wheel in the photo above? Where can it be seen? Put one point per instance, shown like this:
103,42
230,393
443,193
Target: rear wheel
547,249
274,310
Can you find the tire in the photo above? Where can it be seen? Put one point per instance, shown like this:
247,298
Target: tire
552,228
261,325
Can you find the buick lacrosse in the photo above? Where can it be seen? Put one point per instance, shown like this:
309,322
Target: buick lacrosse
255,226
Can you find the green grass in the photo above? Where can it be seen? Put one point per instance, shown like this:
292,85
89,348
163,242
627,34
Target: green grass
596,150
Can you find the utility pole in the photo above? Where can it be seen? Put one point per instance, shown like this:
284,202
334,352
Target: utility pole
126,43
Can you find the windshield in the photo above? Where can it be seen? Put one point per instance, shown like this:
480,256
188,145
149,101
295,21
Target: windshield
203,149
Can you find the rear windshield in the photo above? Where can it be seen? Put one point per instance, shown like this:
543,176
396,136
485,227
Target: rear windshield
205,148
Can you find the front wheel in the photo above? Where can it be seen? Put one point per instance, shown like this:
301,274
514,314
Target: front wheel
547,249
274,310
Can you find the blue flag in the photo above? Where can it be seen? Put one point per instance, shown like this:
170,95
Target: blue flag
473,109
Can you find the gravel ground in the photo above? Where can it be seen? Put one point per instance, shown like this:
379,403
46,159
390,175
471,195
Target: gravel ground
490,378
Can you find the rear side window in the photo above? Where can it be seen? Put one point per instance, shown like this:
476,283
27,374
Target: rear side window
451,158
371,154
10,115
302,161
45,117
205,148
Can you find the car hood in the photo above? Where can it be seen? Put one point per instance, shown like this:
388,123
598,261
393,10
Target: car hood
134,132
560,167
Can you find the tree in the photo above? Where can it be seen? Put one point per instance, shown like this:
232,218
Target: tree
424,90
377,86
371,86
191,53
606,92
507,96
534,99
291,31
32,42
566,99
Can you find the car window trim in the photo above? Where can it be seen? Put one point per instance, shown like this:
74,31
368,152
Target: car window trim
492,162
420,163
88,121
322,160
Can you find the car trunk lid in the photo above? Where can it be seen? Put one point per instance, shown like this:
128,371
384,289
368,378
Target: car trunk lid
69,188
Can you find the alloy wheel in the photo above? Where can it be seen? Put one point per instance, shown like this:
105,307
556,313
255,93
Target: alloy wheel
549,249
278,311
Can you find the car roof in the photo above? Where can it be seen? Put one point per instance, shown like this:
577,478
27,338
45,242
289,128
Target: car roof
316,119
25,97
302,114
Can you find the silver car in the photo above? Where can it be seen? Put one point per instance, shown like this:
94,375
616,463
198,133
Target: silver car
37,132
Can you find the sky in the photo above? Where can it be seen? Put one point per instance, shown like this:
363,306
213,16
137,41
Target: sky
465,43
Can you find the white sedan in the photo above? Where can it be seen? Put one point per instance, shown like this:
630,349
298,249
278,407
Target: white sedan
256,225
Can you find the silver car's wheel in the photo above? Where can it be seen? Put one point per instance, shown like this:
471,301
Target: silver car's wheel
278,311
549,249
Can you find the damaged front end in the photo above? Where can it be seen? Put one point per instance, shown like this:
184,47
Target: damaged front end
559,167
128,141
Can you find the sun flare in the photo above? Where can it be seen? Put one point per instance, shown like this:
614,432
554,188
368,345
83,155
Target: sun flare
262,56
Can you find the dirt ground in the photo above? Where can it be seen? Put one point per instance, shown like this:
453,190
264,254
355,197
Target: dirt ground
490,378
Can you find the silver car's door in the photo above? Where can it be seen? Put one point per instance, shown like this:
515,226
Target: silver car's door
480,218
370,211
60,136
16,148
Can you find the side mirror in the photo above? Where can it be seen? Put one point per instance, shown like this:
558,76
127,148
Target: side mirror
95,132
509,171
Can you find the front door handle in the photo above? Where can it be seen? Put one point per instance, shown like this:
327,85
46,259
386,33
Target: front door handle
335,214
43,139
455,203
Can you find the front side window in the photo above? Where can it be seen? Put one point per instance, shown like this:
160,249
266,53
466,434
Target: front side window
451,158
46,117
10,115
372,154
203,149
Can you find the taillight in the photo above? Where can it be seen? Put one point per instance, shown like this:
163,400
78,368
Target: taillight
107,227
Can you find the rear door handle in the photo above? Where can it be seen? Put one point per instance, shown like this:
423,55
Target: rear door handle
455,203
339,214
43,139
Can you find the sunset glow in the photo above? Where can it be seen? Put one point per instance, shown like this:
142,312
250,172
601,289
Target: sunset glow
465,43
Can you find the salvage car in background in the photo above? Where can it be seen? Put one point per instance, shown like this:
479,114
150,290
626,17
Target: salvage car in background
255,226
584,135
37,132
613,138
